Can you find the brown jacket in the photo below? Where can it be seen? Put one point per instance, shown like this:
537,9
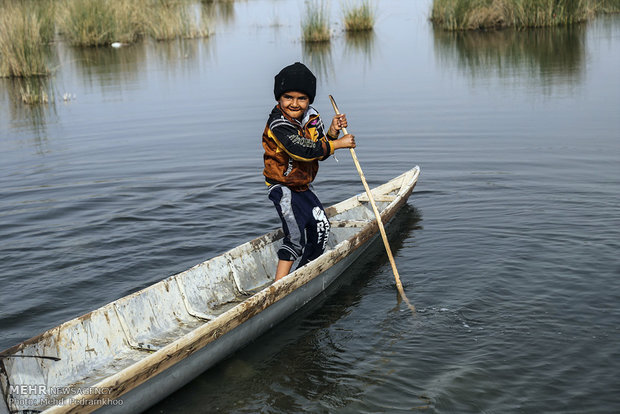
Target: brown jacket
293,149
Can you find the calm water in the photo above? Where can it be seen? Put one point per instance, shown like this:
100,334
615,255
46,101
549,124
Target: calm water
509,246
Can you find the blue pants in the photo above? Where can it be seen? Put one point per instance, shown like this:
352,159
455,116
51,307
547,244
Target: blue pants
305,225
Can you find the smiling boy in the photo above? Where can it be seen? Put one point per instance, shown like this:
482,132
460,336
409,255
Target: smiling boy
295,141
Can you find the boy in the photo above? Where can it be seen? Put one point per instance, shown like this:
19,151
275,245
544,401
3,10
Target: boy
295,141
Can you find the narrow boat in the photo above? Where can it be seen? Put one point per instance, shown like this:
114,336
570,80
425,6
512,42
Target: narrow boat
133,352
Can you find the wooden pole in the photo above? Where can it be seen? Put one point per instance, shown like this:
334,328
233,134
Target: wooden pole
399,285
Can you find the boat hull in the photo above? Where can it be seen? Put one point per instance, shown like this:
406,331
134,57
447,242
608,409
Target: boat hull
142,397
142,347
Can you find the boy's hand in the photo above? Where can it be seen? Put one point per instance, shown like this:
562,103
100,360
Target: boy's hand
347,141
339,122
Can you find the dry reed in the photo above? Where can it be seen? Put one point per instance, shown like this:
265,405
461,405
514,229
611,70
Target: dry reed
102,22
165,20
360,17
24,34
315,23
521,14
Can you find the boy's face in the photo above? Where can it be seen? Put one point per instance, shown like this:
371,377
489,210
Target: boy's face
294,104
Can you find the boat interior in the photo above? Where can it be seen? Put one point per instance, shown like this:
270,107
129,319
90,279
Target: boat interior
115,336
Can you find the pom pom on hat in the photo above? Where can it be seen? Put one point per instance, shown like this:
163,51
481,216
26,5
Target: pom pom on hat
296,77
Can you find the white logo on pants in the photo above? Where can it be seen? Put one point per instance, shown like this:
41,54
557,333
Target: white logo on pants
322,225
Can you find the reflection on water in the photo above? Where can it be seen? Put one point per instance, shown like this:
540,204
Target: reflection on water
318,56
360,43
35,116
111,70
219,10
548,56
181,54
103,72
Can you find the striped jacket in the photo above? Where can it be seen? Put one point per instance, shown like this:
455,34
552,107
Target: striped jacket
293,149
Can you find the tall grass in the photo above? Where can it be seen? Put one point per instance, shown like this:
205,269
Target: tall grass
165,20
360,17
24,33
102,22
493,14
99,22
315,23
606,6
45,10
29,27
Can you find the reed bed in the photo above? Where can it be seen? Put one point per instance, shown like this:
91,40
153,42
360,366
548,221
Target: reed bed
359,18
91,23
315,23
26,28
98,22
520,14
166,20
102,22
606,6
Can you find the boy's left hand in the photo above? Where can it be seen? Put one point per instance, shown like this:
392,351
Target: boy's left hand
339,122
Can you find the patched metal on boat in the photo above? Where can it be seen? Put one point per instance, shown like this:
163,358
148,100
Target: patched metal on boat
131,353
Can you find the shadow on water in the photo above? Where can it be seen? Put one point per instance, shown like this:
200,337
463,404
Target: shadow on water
554,55
293,350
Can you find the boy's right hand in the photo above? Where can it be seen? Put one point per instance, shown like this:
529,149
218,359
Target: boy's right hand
347,141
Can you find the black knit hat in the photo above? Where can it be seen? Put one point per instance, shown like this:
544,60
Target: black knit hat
295,77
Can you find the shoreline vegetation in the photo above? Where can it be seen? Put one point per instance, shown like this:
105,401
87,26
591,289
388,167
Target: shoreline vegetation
459,15
28,28
315,25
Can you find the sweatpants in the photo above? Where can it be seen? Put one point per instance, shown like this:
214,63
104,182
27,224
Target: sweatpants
305,225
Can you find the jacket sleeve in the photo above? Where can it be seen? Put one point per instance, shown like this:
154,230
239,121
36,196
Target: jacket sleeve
324,136
286,136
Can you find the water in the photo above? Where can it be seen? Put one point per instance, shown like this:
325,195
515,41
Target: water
508,248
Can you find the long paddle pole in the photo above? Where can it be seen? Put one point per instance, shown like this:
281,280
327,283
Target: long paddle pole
399,285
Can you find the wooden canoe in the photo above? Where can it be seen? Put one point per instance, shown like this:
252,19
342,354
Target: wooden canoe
133,352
